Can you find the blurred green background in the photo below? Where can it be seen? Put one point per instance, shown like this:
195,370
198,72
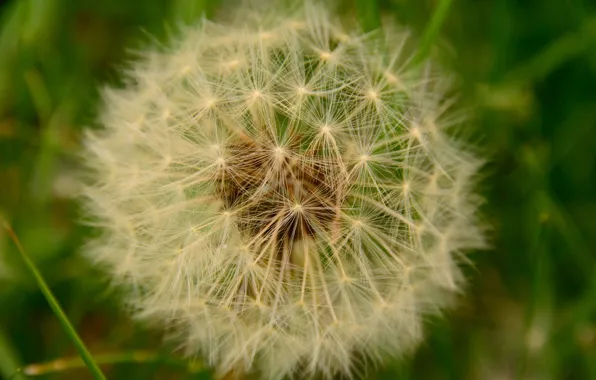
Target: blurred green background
528,75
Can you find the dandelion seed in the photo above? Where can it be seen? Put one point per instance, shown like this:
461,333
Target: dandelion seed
287,205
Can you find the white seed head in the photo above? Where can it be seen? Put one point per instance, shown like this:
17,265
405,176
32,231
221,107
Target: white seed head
287,199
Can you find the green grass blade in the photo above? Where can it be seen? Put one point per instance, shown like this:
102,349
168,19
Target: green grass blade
557,53
9,362
137,356
368,14
62,318
432,30
189,11
50,121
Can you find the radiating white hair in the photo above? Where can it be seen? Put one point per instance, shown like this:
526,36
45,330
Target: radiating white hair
282,193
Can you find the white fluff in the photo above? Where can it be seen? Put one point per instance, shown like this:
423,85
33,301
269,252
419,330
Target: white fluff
282,194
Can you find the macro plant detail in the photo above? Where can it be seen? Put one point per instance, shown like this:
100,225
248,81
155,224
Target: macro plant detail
283,193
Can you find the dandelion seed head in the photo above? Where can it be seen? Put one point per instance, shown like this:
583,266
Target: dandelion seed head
292,204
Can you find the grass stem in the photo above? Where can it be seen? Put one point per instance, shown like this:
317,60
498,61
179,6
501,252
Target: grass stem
432,29
56,308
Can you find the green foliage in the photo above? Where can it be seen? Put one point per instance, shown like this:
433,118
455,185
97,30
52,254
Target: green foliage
528,70
56,308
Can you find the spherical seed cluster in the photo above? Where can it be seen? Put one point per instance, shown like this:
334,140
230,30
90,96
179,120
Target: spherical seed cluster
282,194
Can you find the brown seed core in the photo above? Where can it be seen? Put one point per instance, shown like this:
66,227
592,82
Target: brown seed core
287,198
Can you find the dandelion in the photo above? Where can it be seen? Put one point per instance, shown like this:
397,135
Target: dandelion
283,194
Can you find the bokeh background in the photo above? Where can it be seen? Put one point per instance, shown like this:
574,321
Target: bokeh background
527,73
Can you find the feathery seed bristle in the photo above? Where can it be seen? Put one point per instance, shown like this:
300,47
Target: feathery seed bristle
284,195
